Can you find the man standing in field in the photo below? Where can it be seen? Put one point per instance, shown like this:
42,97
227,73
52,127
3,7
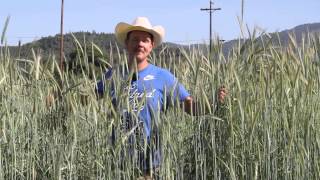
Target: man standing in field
150,88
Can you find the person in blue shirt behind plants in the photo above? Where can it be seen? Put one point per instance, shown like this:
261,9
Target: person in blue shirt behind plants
149,89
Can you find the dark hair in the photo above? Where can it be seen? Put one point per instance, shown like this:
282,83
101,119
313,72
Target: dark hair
128,34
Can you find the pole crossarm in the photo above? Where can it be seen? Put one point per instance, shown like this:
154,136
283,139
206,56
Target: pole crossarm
208,9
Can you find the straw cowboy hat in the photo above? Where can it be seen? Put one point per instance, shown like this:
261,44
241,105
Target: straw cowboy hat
139,24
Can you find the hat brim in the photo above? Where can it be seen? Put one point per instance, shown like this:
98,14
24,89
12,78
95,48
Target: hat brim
122,29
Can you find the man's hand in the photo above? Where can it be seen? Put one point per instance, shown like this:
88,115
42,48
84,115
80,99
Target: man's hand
222,93
50,100
193,108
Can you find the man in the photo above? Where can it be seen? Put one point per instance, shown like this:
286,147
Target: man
151,88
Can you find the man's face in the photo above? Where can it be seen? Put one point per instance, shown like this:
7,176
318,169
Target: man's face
139,45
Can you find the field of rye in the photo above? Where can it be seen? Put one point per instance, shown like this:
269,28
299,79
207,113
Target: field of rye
269,127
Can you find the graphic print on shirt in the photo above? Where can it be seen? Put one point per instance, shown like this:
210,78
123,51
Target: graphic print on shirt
137,94
148,77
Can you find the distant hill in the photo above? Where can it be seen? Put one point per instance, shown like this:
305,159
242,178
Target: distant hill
50,45
106,41
298,32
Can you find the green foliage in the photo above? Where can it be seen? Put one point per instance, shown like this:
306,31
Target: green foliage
50,45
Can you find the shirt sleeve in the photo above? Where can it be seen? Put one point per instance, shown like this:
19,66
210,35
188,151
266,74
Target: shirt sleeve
174,88
100,86
182,92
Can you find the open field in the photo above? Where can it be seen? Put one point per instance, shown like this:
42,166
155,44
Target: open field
269,127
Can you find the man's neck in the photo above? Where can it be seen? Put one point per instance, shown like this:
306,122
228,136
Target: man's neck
139,65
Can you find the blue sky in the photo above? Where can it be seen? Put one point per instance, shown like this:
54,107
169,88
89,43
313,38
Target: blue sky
182,19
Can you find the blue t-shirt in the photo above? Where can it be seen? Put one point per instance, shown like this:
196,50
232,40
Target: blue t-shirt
148,92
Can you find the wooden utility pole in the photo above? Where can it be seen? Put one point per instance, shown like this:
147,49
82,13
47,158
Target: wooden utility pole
211,10
61,37
19,51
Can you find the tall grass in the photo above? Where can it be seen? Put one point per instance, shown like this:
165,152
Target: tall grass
267,129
